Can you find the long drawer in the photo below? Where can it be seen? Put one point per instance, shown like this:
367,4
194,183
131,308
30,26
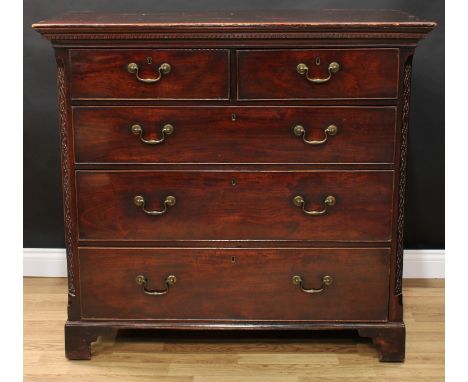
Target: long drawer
234,134
317,73
260,284
149,74
235,205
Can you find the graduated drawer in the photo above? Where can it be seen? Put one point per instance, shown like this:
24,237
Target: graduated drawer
281,74
224,284
193,74
234,134
234,205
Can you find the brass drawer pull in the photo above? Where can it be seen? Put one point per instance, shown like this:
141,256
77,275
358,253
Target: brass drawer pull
326,281
143,281
140,202
167,129
303,69
163,69
300,202
299,130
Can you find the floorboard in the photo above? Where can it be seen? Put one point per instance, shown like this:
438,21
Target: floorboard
166,356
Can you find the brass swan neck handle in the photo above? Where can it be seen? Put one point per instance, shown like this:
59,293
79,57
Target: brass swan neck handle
326,281
163,69
140,201
300,202
300,131
166,130
143,281
303,69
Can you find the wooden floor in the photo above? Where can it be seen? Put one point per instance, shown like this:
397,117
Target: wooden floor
231,357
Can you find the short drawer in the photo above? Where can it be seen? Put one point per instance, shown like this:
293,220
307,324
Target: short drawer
225,284
317,73
230,205
149,74
234,134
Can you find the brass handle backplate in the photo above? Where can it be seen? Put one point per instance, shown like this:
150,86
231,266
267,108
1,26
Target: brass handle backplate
300,131
300,202
163,69
326,281
139,201
167,129
303,69
143,281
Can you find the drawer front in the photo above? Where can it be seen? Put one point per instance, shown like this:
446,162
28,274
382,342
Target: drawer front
241,205
234,134
193,74
361,73
235,284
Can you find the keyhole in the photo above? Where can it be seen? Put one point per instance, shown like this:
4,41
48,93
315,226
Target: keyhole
233,117
149,60
317,61
233,182
233,259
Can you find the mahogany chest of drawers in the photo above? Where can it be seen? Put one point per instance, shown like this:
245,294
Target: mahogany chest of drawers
234,171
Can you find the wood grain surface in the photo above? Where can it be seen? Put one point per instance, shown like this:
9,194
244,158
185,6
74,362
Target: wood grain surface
235,284
319,20
234,134
214,205
271,74
103,74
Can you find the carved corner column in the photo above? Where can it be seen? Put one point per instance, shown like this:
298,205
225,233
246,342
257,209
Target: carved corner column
396,297
68,184
402,181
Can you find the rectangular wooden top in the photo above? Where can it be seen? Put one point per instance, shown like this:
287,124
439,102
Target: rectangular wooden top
83,24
